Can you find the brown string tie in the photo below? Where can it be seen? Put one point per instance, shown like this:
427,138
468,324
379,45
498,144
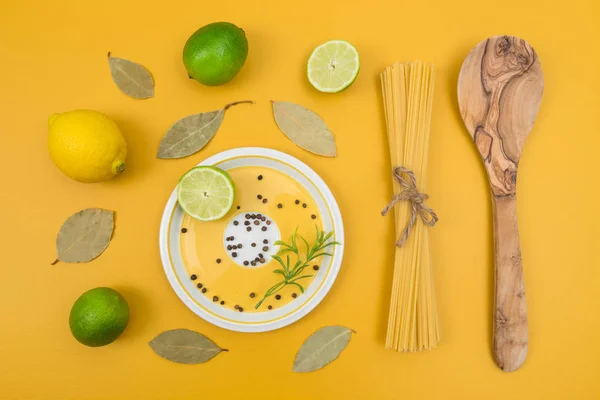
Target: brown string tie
417,200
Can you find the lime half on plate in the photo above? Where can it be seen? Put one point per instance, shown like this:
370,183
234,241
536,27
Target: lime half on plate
206,193
333,66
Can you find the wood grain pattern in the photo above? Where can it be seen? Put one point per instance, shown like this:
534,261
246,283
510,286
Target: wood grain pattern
499,93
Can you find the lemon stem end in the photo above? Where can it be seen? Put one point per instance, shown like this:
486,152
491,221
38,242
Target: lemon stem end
119,167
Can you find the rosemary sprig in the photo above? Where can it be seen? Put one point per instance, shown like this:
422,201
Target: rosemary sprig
292,273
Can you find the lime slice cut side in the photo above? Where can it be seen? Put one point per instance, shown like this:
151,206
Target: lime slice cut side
333,66
206,193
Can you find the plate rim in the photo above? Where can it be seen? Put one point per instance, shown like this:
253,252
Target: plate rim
309,305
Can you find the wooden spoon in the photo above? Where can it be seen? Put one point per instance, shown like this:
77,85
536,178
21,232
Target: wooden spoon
499,93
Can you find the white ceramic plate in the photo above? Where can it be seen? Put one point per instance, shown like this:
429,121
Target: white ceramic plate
261,321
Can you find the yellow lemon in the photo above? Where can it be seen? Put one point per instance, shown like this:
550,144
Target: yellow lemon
86,145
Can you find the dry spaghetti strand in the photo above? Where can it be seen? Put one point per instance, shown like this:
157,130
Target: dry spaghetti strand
407,97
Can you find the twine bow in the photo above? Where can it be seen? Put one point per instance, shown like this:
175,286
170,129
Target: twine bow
417,200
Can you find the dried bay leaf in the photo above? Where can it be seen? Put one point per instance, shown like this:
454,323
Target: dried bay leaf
305,128
190,134
184,346
84,235
133,79
321,348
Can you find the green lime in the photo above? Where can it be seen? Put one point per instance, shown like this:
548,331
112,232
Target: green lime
215,53
333,66
206,193
99,316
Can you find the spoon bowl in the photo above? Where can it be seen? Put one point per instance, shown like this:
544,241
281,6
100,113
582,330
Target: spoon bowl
500,89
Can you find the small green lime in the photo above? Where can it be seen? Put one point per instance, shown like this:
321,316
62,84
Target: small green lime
98,317
215,53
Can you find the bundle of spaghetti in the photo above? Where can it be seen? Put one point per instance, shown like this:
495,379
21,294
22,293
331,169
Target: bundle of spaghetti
407,97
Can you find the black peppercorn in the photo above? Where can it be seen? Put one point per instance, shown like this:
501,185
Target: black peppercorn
259,216
246,263
278,297
270,307
236,223
313,216
248,229
240,309
253,263
215,298
234,254
260,255
279,205
264,229
204,290
316,267
239,246
247,216
229,247
265,241
265,201
193,277
252,295
236,307
260,177
232,238
238,207
263,219
304,205
256,222
268,222
262,260
259,197
222,302
218,261
297,202
253,245
247,223
266,248
294,295
183,230
199,286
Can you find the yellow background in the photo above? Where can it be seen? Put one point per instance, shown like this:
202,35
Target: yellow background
53,59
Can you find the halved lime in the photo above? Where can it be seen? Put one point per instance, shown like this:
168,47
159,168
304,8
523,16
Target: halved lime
206,193
333,66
